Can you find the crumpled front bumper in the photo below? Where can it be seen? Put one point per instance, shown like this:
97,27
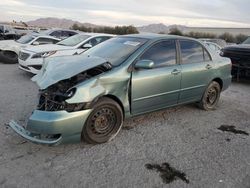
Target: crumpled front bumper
31,137
66,127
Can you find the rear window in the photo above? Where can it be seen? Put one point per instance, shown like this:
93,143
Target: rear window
193,52
25,39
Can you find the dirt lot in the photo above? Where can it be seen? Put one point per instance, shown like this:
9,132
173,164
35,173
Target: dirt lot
185,137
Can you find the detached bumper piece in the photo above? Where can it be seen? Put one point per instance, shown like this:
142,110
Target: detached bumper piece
35,138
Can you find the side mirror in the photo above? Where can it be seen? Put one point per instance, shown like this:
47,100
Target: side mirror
144,64
6,31
87,46
35,43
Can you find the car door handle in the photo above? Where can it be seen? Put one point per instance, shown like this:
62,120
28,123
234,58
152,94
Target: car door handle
175,72
208,66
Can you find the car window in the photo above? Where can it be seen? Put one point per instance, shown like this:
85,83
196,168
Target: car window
116,50
42,40
57,34
191,52
71,33
97,40
68,33
211,46
74,40
247,41
162,53
217,48
25,39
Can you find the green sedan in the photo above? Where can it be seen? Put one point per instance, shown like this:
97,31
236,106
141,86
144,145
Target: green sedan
87,97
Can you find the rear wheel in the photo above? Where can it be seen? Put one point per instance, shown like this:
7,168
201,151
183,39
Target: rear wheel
9,57
211,97
104,122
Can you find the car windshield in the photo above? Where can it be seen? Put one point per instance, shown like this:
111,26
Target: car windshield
247,41
25,39
1,28
116,50
74,40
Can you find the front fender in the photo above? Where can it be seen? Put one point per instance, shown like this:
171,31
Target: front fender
14,49
115,83
87,92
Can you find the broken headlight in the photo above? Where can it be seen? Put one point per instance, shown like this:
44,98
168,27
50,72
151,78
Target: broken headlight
43,54
70,93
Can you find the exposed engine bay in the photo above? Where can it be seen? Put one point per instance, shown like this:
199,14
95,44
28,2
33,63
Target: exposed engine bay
54,97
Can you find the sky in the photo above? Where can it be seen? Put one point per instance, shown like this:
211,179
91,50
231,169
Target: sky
196,13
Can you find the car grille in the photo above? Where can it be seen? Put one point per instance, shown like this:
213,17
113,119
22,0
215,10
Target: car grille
23,56
37,67
26,68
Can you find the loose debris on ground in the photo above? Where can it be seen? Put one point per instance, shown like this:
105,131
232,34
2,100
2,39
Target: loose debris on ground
232,129
167,173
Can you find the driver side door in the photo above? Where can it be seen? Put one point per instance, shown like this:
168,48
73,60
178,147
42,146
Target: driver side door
158,87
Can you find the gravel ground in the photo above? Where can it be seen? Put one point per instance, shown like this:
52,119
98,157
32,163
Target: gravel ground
185,137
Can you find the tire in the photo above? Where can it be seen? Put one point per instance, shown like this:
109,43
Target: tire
8,57
211,97
104,122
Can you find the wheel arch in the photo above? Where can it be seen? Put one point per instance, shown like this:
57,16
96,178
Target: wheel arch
9,51
110,96
219,81
116,99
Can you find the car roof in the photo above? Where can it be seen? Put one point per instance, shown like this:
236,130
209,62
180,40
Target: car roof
96,34
42,35
152,36
48,31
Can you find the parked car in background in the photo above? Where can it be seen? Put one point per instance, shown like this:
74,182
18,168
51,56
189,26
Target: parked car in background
240,56
21,31
60,33
31,59
214,47
89,95
7,32
222,43
9,49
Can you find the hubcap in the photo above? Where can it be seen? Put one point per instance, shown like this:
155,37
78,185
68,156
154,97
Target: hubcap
103,121
212,96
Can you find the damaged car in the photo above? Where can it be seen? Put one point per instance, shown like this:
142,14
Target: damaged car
87,97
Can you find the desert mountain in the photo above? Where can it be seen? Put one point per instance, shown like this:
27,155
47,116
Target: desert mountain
57,22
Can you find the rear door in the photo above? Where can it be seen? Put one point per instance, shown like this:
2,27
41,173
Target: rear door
159,87
197,70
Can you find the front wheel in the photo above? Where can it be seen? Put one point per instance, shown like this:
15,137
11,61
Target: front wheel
211,97
104,122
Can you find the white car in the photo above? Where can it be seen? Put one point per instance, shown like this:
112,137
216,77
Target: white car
31,59
10,48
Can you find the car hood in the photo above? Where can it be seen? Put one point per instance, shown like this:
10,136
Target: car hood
240,47
47,48
61,68
8,43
